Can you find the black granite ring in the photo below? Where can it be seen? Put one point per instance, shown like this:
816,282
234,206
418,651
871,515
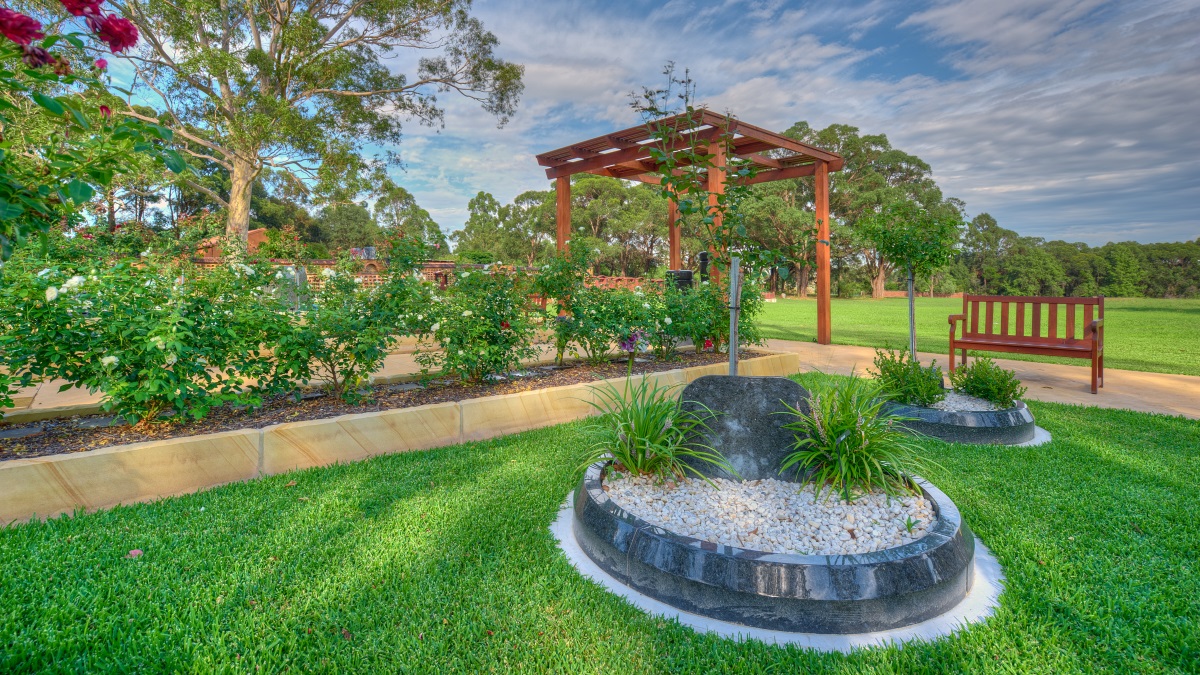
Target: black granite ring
986,427
799,593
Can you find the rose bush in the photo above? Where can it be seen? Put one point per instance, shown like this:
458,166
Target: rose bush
482,326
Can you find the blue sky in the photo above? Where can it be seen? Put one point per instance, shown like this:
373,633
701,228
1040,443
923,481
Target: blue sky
1065,120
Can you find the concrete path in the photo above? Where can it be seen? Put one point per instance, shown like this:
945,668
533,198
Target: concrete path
1127,389
1131,390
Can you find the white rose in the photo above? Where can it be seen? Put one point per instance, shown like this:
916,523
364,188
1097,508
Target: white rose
73,283
51,293
667,321
646,305
434,327
109,361
468,313
464,275
172,358
327,273
44,272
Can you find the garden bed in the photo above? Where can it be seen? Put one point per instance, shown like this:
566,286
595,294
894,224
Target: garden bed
90,432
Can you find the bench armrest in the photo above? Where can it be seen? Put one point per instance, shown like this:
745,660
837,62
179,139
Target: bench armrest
956,317
1095,326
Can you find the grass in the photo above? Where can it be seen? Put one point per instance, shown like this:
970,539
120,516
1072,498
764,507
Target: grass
442,561
1152,335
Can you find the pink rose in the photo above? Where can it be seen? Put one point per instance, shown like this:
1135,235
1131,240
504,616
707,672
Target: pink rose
102,64
106,111
120,34
36,57
82,7
18,27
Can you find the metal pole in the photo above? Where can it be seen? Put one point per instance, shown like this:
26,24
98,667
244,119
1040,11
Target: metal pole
735,306
912,321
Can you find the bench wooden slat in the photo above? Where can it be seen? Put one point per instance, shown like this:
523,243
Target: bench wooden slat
1025,335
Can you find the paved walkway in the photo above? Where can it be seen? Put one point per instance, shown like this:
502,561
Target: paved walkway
1131,390
1127,389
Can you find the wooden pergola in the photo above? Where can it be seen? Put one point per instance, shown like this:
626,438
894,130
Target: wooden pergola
626,154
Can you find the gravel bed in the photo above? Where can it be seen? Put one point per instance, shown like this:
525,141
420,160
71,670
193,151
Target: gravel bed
959,402
773,515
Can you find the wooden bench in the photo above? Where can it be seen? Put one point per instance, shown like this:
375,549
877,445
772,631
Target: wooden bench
997,323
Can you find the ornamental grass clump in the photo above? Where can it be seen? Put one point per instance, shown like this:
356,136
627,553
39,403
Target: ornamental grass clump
645,431
847,445
988,381
905,380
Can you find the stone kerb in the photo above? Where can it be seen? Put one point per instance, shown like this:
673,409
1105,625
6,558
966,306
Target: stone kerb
41,487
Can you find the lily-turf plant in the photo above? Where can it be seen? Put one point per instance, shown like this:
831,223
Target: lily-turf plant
644,430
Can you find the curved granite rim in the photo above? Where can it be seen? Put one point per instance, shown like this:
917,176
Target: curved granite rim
858,593
1011,426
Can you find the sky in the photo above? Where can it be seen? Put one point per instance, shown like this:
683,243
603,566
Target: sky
1064,120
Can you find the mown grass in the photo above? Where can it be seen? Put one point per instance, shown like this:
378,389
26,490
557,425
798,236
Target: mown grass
442,561
1147,334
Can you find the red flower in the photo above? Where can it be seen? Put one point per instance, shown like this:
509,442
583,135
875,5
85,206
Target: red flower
88,236
36,57
106,111
18,27
120,34
82,7
707,343
504,325
102,64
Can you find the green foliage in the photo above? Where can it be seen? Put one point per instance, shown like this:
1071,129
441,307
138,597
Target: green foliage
984,379
559,280
908,234
482,327
344,334
646,431
151,336
59,147
848,445
905,380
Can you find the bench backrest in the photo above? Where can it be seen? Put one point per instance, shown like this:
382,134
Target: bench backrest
1032,319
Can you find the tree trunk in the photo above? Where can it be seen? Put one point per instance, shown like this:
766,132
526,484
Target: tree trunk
241,184
802,279
111,202
878,281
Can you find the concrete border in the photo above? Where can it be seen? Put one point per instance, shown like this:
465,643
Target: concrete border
42,487
980,603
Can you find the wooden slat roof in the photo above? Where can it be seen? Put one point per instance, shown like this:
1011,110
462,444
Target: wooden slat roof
626,153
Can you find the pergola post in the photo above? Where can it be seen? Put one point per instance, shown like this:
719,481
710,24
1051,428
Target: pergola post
716,189
821,199
676,258
562,211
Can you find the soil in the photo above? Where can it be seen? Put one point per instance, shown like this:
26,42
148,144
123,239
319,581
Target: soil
81,433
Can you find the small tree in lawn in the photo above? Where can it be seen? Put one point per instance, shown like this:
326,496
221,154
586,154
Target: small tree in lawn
921,239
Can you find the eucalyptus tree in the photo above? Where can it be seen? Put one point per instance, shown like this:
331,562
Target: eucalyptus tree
301,87
396,210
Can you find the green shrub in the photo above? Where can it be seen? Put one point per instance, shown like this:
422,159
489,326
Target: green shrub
482,327
344,334
988,381
645,431
905,380
151,335
846,444
558,281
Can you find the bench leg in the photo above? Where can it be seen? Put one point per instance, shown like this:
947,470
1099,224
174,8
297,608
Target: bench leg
1095,372
964,357
1101,369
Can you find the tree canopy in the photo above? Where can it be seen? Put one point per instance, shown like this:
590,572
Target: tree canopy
302,88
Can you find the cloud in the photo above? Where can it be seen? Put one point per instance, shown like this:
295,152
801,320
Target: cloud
1063,120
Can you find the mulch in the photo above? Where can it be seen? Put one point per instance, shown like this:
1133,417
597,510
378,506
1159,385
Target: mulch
81,433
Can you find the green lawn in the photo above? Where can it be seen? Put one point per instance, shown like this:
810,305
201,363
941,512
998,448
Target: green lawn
1159,336
442,561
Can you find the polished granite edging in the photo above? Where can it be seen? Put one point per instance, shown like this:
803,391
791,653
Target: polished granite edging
874,591
43,487
1012,426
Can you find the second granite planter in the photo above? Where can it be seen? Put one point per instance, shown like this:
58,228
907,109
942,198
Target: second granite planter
989,427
